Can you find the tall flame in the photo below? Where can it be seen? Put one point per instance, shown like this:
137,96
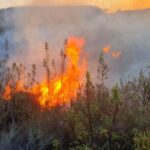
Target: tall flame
63,88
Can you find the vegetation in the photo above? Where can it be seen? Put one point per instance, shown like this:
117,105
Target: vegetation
99,119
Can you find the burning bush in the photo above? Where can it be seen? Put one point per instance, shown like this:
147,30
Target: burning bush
54,90
34,114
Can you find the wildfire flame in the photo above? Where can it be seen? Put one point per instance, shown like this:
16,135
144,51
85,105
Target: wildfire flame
106,49
63,88
116,54
7,93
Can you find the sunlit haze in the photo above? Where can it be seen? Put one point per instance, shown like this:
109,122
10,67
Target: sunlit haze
109,5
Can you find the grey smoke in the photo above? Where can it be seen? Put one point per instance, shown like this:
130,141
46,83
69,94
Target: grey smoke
27,28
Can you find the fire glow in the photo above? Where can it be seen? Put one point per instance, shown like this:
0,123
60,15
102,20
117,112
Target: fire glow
63,87
107,5
114,54
106,49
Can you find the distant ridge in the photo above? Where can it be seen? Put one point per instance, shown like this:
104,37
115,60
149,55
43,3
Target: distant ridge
8,15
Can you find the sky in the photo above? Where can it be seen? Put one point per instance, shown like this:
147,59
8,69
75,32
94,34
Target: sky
109,5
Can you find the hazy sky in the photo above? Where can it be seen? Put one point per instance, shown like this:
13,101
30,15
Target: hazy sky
105,4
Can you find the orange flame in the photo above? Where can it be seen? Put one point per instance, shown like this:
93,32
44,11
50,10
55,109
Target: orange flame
63,88
7,93
106,49
116,54
19,86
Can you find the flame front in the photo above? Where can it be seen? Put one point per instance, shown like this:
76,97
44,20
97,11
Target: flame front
63,88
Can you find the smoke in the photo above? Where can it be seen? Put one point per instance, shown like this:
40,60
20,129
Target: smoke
124,31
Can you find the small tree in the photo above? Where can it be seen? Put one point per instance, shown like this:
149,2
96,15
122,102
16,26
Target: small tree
102,74
46,61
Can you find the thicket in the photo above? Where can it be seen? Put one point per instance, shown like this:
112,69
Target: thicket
100,118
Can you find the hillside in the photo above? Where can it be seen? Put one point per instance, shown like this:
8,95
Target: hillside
60,87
